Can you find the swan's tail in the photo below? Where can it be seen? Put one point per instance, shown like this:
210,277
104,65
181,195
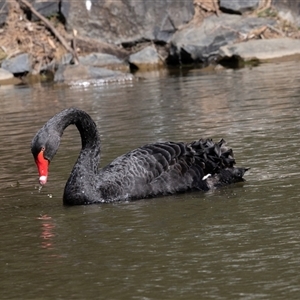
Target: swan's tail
226,176
217,162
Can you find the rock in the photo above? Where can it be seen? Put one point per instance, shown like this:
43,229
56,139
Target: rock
3,11
147,58
126,21
4,74
103,60
202,43
87,45
239,6
261,50
45,8
81,73
288,5
19,64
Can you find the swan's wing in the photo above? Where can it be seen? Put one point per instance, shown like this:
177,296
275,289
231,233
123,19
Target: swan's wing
148,162
164,168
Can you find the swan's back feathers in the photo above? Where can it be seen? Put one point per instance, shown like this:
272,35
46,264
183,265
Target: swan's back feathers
166,168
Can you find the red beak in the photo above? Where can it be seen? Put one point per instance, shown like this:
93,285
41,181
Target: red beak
42,165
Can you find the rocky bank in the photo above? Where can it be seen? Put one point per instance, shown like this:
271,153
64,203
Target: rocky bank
94,42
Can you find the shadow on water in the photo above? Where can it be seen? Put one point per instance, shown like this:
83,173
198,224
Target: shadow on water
239,242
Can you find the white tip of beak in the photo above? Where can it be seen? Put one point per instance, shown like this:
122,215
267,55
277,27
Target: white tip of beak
43,180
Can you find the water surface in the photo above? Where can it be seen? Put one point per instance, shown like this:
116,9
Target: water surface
239,242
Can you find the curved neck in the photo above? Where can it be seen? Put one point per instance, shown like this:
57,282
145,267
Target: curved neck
89,156
82,182
86,126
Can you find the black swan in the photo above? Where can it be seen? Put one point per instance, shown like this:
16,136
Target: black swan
162,168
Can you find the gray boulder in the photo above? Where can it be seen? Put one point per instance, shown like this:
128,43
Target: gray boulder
3,11
81,73
202,43
45,8
147,58
19,64
261,50
4,74
239,6
126,21
103,60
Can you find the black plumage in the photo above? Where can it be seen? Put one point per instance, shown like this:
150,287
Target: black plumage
160,168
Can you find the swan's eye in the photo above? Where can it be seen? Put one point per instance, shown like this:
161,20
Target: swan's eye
40,151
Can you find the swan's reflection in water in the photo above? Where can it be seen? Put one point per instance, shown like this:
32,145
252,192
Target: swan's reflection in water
47,233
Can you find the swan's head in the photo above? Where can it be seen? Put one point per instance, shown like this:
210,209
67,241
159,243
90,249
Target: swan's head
43,147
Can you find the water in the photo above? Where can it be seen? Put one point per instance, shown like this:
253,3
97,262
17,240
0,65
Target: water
239,242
